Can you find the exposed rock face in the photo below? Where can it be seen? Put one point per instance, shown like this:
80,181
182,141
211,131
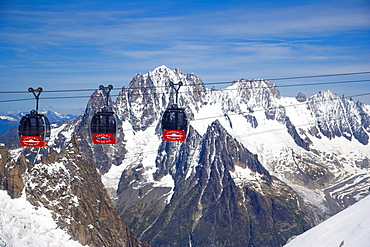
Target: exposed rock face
304,143
11,173
212,205
337,116
69,185
301,97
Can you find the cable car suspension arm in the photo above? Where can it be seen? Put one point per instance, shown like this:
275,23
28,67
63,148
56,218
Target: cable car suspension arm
37,97
176,90
106,92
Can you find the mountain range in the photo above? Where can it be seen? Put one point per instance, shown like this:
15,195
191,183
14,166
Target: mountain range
256,168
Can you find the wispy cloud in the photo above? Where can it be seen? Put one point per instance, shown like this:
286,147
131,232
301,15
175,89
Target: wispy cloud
80,41
224,24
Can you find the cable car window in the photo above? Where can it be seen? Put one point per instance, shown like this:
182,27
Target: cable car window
30,126
40,126
23,125
174,120
103,122
47,128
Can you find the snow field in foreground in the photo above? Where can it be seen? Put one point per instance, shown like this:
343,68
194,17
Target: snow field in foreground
350,227
22,224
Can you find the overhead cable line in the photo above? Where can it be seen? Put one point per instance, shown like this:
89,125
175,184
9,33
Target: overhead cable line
359,95
56,97
217,83
141,94
116,95
291,78
257,110
59,91
256,133
316,76
320,83
225,89
276,107
12,100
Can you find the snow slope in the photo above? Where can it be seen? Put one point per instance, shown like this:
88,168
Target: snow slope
350,227
22,224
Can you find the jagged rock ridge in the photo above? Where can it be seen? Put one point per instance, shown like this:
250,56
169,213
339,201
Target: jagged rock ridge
70,187
209,208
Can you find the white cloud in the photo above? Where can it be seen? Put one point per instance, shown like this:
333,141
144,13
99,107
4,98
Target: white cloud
80,43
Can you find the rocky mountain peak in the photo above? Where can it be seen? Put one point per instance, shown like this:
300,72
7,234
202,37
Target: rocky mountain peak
301,97
159,77
96,103
337,116
259,89
148,95
246,96
162,75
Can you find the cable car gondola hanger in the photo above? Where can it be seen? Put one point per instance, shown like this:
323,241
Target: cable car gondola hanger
174,120
103,126
34,128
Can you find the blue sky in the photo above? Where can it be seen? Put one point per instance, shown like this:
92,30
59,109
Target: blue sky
83,44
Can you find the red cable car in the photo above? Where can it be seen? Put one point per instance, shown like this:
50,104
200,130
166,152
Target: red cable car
174,124
34,128
174,121
103,125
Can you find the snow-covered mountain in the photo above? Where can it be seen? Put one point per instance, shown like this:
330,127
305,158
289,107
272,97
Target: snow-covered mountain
256,168
351,227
